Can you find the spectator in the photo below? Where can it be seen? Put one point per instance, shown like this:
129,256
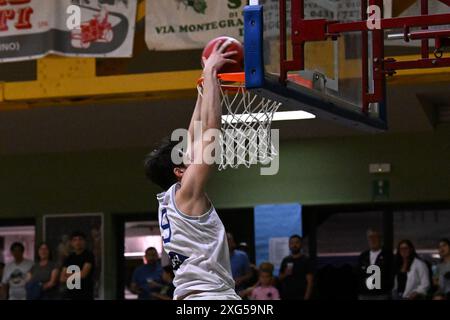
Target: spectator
264,289
442,275
146,279
15,273
83,259
243,246
240,265
63,249
2,267
296,273
376,255
411,274
42,279
168,288
2,293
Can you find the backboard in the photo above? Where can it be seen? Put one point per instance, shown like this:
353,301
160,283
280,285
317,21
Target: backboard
325,76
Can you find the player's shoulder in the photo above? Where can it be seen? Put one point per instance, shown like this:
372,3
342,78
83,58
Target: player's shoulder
168,192
165,198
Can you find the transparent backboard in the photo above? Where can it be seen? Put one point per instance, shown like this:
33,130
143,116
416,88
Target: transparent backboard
332,69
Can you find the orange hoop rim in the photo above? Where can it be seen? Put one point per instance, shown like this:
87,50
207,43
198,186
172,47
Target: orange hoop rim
238,77
231,80
236,80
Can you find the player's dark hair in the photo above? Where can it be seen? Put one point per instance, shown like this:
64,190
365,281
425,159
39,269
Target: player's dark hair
295,236
77,234
17,245
159,166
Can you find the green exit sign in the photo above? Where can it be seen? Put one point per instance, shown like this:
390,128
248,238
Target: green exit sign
380,189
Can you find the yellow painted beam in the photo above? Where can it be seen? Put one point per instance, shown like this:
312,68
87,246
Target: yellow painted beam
418,76
64,87
67,78
2,90
57,67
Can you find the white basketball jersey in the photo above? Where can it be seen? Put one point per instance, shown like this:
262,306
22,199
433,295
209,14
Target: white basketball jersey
197,247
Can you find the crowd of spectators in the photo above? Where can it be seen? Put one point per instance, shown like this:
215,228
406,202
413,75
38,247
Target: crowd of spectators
46,279
404,274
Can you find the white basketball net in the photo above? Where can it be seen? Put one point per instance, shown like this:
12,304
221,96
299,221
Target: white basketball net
246,128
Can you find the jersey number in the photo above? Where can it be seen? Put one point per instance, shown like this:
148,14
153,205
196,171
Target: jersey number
165,226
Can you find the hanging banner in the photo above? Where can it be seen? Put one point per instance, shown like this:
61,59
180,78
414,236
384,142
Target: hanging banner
187,24
274,224
31,29
191,24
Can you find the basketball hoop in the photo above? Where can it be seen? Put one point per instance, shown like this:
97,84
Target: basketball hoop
246,127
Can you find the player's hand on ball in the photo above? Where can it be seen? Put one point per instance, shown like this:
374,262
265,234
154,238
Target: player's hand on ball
218,58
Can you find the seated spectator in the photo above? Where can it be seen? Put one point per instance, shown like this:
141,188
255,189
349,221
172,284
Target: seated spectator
15,273
168,288
264,288
147,278
85,261
411,274
240,265
442,276
296,273
42,280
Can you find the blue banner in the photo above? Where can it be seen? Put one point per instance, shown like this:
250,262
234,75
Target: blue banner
274,224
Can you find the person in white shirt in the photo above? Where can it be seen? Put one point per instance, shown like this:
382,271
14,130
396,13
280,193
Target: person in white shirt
15,274
193,235
412,275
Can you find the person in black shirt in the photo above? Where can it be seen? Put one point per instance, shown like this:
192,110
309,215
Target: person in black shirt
85,260
296,273
376,255
167,290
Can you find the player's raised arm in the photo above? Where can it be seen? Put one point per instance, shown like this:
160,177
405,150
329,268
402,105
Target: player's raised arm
191,197
195,118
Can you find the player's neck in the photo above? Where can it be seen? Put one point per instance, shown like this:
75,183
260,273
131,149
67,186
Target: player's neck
296,255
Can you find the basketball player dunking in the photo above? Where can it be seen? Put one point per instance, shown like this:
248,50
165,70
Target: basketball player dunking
193,234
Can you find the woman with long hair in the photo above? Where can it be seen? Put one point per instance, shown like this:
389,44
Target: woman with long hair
412,277
43,276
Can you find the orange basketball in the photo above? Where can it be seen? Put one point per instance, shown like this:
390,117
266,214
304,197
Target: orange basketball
234,46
